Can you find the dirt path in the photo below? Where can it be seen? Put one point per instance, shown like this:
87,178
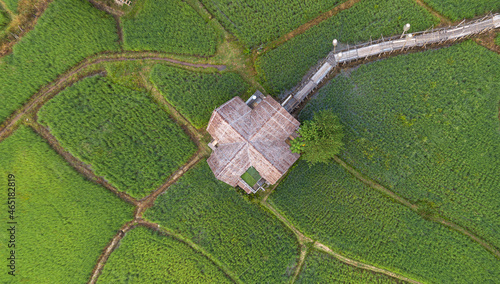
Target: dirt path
303,240
301,237
46,92
443,20
415,208
375,185
301,29
358,264
193,245
113,244
300,264
109,249
119,31
23,22
29,110
488,40
148,201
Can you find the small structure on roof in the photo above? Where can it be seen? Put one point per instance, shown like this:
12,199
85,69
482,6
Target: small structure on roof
249,142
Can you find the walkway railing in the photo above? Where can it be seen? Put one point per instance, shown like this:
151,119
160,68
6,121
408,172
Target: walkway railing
388,45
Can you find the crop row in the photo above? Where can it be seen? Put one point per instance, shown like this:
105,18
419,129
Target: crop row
145,256
170,26
283,67
121,133
196,94
63,220
426,126
245,238
328,204
259,21
67,32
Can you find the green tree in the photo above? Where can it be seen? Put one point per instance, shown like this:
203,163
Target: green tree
320,138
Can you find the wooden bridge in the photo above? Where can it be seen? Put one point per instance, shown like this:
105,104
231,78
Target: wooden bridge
372,48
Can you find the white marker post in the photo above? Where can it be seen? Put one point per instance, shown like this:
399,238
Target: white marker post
405,29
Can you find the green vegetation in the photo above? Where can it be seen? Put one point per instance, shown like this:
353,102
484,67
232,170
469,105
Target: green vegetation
283,67
121,133
497,39
426,126
255,22
251,176
4,19
196,94
130,74
11,5
246,239
328,204
144,256
321,267
67,32
170,26
63,220
320,138
459,9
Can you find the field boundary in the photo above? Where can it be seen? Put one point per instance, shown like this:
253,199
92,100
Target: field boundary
193,246
78,165
45,92
149,200
304,250
488,40
304,27
24,24
443,20
103,258
115,241
437,219
304,240
361,265
119,31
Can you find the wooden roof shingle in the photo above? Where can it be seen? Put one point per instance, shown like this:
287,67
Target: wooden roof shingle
251,137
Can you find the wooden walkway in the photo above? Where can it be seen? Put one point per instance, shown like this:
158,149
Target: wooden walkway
396,43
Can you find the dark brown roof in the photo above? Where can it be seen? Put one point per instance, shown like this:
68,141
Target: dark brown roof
251,137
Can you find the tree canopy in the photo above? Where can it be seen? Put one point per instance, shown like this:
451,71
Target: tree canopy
320,138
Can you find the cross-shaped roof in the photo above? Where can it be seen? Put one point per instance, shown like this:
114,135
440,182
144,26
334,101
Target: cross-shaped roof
246,137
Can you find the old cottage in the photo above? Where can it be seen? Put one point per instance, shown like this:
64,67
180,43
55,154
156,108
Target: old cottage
249,142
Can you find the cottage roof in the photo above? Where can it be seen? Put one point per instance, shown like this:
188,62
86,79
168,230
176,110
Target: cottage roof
246,137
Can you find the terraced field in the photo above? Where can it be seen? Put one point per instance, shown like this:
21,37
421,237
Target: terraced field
255,22
283,67
328,204
144,255
320,267
432,139
196,94
65,34
63,220
108,145
171,26
122,133
246,239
